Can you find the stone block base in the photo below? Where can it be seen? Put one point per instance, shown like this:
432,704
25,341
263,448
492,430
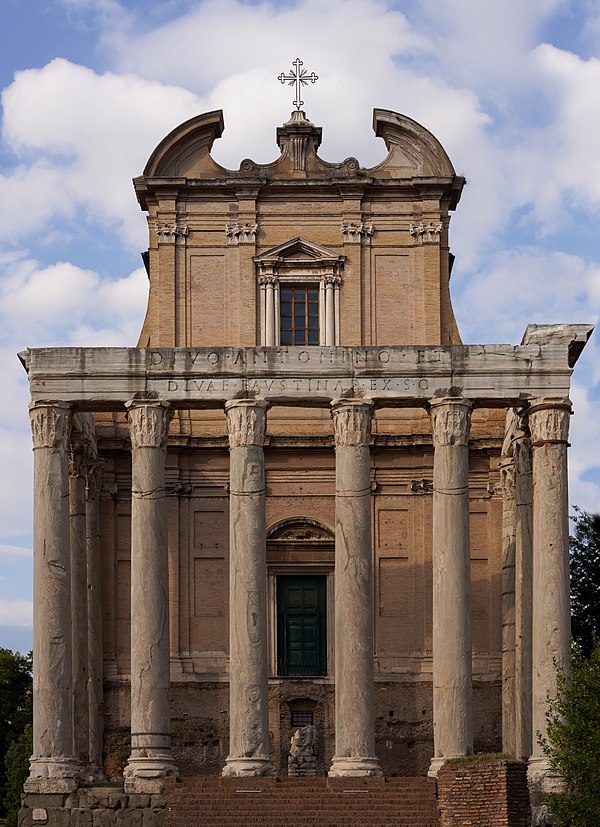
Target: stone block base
355,767
102,806
302,766
483,793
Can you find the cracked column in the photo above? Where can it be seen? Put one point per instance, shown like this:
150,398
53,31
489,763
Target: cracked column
354,705
452,669
53,768
150,759
249,752
549,426
79,621
94,609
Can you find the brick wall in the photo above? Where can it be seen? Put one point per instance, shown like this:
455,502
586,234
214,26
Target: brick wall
485,793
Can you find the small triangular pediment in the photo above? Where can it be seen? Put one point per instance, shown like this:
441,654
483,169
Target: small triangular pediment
299,249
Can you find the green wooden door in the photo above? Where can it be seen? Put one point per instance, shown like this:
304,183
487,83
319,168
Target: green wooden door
301,626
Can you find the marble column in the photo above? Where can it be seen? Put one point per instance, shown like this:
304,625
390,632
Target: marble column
94,617
452,669
79,580
53,768
150,759
249,752
549,426
507,477
354,691
329,311
523,589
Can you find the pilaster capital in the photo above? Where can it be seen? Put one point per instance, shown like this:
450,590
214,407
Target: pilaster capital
246,421
149,423
50,424
450,420
267,279
93,480
549,421
352,421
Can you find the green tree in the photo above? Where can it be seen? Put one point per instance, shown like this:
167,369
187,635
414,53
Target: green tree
15,703
585,580
16,764
573,741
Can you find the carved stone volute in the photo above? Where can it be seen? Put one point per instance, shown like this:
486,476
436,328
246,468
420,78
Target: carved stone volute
352,421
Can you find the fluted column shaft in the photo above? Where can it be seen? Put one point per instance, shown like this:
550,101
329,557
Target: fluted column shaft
249,752
79,581
52,767
452,669
94,617
354,704
150,758
549,426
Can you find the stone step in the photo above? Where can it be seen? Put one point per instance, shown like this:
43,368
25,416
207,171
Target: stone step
320,802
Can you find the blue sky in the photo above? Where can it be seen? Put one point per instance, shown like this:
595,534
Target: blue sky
89,87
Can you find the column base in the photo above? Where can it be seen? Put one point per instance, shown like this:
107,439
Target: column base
542,778
240,767
354,767
147,774
59,774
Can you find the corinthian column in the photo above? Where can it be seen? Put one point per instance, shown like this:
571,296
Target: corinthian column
94,607
79,580
507,477
354,708
248,690
52,768
150,758
452,679
549,426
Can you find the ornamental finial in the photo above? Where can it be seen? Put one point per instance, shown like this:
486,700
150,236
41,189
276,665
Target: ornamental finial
298,77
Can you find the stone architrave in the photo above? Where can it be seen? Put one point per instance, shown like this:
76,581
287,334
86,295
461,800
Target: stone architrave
94,616
507,477
150,759
523,589
354,690
79,597
452,667
53,768
248,689
549,426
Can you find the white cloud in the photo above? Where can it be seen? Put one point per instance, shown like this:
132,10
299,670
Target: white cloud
16,613
15,551
79,138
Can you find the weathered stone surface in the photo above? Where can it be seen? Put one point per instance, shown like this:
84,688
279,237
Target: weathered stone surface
354,710
249,725
452,659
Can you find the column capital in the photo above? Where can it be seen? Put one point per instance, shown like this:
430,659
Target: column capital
50,424
246,421
549,421
93,479
149,422
451,420
352,421
77,457
507,476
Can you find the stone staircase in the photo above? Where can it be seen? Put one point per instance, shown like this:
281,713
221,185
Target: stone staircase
260,802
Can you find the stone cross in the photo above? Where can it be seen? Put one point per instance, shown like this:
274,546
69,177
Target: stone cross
298,78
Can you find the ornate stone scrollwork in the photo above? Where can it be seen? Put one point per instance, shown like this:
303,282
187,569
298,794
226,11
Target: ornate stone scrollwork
451,420
76,456
149,423
93,479
549,421
50,425
352,421
426,232
241,233
170,233
507,478
421,486
267,279
354,233
246,421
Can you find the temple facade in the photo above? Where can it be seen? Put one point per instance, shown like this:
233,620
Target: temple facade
301,500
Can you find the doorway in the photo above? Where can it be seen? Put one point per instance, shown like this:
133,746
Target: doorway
301,626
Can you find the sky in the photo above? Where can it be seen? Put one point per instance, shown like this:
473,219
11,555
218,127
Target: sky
89,87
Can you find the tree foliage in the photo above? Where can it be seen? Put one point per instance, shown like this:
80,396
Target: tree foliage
15,703
585,580
16,764
573,740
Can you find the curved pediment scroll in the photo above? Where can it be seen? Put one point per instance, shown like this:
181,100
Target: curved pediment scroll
300,529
